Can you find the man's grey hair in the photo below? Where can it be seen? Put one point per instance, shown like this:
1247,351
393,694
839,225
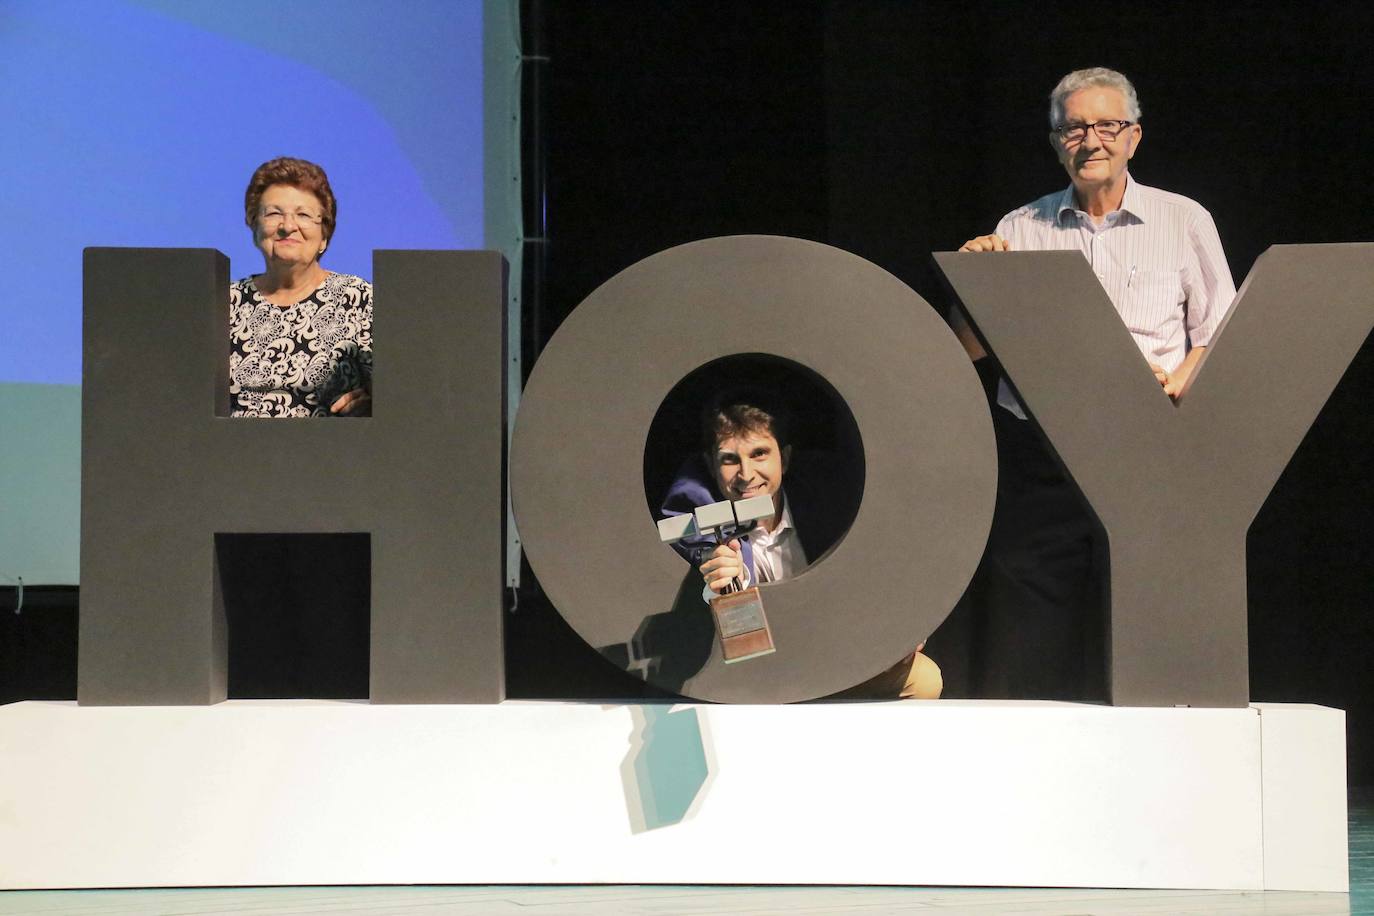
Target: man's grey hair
1085,79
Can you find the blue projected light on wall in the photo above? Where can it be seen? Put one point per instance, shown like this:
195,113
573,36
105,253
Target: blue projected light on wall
140,123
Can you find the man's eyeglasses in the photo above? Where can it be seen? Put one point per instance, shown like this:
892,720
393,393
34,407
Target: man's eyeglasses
1107,130
272,217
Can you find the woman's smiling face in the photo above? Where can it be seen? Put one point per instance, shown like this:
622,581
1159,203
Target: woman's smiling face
289,225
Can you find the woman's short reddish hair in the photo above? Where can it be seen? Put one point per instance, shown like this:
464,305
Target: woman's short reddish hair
298,173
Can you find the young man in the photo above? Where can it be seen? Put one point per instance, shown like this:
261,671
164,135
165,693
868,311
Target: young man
748,452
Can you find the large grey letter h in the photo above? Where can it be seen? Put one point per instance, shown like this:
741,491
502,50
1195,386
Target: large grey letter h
163,470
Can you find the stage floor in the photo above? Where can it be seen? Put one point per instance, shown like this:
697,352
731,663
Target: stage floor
679,900
293,793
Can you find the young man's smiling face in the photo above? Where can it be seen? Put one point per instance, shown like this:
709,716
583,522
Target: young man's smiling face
749,464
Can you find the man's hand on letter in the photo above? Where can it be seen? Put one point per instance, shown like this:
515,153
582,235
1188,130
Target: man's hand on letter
724,565
992,242
1162,376
1174,382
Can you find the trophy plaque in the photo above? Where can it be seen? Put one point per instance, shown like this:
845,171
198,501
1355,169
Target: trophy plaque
742,625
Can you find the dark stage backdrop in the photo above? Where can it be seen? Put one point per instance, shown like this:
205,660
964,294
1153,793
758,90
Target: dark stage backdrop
893,129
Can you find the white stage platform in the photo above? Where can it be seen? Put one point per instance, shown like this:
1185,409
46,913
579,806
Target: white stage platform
914,793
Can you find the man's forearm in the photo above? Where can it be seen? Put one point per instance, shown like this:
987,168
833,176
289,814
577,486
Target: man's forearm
972,346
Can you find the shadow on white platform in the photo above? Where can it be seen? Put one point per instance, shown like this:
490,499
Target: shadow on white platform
250,793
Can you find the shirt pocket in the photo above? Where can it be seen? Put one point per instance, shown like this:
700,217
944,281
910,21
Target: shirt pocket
1153,304
1156,278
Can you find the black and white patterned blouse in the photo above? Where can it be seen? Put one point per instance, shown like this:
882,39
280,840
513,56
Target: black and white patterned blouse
296,360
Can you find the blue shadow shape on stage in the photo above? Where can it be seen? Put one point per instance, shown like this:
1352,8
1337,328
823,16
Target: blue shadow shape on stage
668,766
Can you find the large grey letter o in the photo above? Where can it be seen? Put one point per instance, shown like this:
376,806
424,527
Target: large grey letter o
930,459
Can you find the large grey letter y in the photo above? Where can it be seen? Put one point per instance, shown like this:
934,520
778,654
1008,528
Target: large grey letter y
1175,485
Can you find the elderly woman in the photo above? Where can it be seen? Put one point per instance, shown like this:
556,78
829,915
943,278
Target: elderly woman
300,335
300,346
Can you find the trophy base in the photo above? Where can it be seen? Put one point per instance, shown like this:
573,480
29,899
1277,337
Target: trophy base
742,626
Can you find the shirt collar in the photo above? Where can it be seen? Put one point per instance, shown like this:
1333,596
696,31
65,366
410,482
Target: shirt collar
784,524
1131,202
1065,204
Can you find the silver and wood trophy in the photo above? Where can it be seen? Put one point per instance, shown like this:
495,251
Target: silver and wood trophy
740,621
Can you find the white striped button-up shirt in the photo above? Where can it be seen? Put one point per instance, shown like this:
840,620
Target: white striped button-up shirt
1158,257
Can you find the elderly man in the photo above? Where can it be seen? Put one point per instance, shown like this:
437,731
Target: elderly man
1160,261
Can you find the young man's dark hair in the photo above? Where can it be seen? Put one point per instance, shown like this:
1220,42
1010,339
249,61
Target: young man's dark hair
746,409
